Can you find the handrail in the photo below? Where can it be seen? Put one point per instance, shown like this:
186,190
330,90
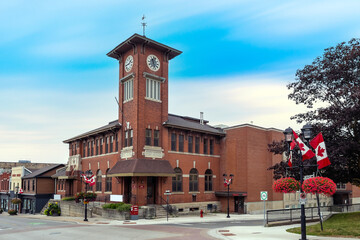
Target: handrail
290,214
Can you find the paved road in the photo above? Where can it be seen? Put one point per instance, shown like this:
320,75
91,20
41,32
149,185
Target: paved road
18,228
219,224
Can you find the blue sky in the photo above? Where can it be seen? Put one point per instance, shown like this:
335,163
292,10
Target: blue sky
57,82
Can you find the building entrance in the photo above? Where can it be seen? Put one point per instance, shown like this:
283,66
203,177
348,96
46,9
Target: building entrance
239,205
151,190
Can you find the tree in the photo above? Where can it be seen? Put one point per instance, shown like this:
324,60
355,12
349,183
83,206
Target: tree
330,88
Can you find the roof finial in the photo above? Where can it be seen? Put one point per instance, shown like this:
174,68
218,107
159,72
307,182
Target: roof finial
143,24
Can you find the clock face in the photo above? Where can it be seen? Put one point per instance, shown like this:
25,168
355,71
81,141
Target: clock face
129,63
153,62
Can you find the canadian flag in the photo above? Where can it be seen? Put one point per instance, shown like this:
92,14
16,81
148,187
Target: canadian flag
92,181
305,151
21,191
292,146
321,155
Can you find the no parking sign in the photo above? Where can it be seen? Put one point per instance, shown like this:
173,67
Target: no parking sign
264,195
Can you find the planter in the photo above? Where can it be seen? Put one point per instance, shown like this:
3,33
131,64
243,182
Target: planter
12,212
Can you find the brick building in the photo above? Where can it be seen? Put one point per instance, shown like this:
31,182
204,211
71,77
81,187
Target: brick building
147,150
38,187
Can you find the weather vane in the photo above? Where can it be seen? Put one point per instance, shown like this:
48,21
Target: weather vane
143,24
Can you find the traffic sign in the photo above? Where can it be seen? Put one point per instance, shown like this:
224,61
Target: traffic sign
264,195
302,199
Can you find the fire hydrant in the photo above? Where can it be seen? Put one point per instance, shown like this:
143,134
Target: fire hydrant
201,213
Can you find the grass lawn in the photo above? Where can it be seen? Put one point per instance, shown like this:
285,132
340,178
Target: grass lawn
339,225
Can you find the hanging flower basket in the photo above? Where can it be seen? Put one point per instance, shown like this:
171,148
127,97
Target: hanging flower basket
319,185
286,185
86,197
16,201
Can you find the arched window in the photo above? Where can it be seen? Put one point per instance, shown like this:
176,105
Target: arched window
177,181
108,187
193,180
98,180
208,180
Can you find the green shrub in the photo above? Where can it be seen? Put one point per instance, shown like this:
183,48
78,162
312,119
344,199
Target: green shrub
122,207
68,199
52,209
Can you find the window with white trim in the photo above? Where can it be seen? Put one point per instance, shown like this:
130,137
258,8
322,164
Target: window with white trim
153,89
128,90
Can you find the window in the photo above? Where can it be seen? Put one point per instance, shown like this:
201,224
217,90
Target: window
205,146
88,150
108,187
190,144
128,90
98,181
197,145
92,148
28,185
193,180
33,185
116,143
156,137
106,144
84,145
173,142
181,143
208,180
153,89
24,183
341,186
211,146
111,143
131,137
97,146
101,145
148,137
126,133
177,180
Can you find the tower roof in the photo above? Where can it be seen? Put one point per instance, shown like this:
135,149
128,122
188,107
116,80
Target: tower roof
136,39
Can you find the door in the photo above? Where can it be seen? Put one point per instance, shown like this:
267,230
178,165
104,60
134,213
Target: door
151,190
239,205
127,189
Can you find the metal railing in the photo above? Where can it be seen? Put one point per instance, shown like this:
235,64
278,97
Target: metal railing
293,214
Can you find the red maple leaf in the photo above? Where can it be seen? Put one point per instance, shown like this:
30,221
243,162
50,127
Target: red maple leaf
301,146
320,151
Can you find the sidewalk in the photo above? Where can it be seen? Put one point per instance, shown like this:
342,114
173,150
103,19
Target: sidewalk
227,233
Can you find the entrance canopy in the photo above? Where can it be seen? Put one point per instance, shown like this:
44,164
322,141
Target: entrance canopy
231,194
142,167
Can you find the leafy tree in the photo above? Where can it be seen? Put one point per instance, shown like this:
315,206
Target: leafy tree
330,88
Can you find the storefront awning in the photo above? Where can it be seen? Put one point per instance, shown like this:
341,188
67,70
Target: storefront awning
231,194
142,167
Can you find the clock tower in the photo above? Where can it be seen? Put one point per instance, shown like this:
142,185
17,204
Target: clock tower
143,96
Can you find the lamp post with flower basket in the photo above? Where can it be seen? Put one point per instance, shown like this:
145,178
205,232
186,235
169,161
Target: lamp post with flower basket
227,182
86,197
289,136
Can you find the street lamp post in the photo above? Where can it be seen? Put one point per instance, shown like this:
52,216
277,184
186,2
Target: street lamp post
227,183
306,131
88,174
17,192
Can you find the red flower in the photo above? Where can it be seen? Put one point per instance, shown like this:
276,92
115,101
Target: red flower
319,185
286,185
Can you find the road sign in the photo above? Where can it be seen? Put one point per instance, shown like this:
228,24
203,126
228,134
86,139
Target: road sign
264,195
302,199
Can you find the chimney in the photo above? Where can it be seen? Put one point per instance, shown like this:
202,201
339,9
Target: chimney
201,118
